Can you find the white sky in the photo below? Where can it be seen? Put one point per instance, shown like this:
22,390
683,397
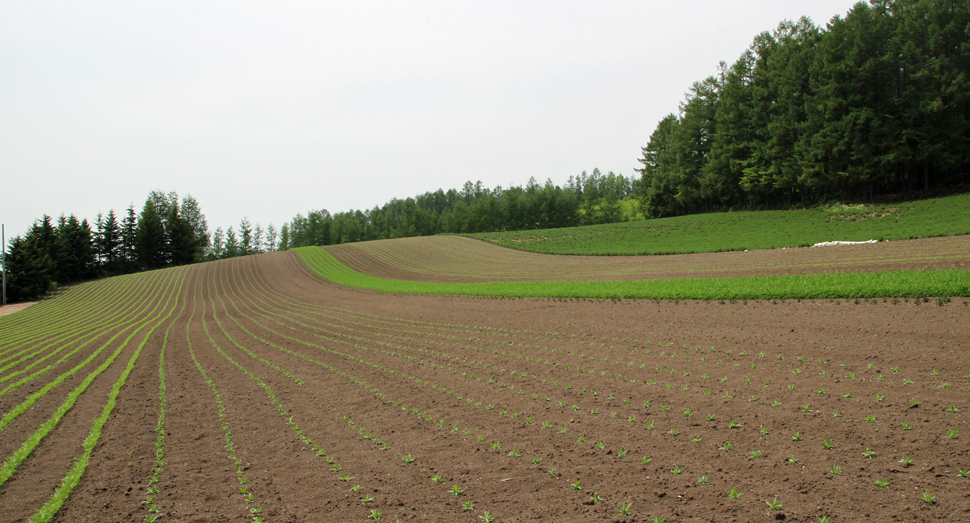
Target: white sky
266,109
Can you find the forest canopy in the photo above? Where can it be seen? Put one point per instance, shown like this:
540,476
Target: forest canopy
877,102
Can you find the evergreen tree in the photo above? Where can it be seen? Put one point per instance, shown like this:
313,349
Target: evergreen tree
179,238
129,233
192,213
74,259
284,238
29,267
271,236
218,246
232,245
150,245
110,245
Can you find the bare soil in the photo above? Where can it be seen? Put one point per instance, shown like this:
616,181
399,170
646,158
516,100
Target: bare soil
666,406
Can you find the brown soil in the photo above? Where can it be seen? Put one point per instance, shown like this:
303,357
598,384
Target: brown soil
296,360
15,307
461,259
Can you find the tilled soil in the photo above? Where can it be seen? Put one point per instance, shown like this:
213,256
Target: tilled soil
292,399
461,259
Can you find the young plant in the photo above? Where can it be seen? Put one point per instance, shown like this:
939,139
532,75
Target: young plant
734,493
774,504
625,509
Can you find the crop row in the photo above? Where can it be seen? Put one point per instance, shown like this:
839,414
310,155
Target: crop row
592,381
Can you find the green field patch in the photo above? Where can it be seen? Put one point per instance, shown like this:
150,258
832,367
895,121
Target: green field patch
737,231
954,282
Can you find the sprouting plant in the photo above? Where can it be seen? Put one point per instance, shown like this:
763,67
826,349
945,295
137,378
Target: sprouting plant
836,414
486,517
514,453
553,471
576,486
797,436
366,499
774,504
625,509
645,460
755,454
952,433
456,490
601,445
882,483
870,419
345,477
929,499
734,493
436,478
836,470
408,458
673,432
620,453
725,446
497,445
906,461
905,426
792,459
952,408
963,473
658,519
869,454
467,506
375,514
764,431
676,469
596,497
734,424
822,519
710,417
355,488
696,439
827,443
536,460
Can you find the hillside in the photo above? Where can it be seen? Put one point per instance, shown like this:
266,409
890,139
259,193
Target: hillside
749,230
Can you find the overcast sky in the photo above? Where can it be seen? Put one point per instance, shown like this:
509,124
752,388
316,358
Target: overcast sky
266,109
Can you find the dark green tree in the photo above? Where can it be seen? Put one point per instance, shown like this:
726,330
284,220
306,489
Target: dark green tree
150,247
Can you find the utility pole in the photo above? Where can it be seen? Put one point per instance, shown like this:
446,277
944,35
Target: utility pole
3,255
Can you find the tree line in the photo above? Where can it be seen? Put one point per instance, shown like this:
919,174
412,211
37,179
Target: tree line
167,232
586,199
878,102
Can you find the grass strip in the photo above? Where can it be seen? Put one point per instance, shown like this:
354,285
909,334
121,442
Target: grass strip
912,284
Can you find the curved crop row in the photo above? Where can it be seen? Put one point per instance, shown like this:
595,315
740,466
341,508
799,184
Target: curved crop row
952,282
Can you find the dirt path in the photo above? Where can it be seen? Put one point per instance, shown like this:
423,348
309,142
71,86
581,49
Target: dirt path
15,307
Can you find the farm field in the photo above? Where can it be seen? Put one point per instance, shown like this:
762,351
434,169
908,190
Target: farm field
252,389
737,231
461,259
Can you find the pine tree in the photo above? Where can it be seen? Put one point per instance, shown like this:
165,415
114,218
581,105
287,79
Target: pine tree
179,238
129,233
110,245
29,268
150,238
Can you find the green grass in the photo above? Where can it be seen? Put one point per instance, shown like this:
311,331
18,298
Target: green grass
813,286
735,231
